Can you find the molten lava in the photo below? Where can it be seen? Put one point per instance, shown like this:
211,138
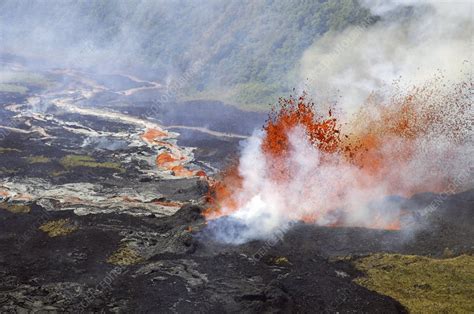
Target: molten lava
171,159
151,135
314,168
322,132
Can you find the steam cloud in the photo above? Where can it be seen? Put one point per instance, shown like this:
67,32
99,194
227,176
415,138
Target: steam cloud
267,205
334,192
412,41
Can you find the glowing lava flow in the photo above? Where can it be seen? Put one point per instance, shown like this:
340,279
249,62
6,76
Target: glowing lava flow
312,167
172,158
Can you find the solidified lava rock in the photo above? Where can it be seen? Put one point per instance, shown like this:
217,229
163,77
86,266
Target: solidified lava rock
188,213
180,270
177,269
130,260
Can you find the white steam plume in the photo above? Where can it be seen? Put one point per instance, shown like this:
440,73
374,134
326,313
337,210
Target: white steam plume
411,42
330,192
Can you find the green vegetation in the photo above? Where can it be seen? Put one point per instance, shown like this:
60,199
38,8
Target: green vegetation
125,256
4,150
18,82
281,261
21,77
421,284
38,160
249,50
249,93
8,171
72,161
244,96
250,58
57,228
58,173
15,208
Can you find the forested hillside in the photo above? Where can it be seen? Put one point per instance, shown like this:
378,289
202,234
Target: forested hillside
248,49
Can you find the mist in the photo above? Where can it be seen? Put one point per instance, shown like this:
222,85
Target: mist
102,36
226,43
410,44
227,156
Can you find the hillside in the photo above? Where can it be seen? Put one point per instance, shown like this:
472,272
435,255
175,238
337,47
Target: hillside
249,50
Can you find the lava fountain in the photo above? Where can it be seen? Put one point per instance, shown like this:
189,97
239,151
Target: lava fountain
325,168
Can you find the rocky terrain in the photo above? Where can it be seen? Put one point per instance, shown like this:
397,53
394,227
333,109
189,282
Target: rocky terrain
101,210
59,261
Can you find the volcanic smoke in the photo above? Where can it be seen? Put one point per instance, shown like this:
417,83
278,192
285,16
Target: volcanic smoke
323,167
